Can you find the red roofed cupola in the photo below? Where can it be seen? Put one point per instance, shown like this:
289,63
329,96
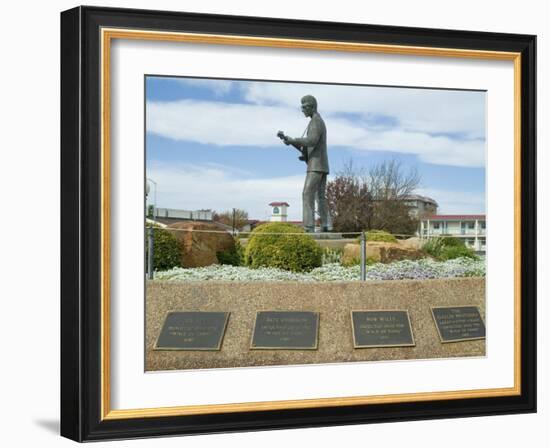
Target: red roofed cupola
279,211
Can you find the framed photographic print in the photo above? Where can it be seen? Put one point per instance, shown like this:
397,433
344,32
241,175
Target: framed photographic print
273,223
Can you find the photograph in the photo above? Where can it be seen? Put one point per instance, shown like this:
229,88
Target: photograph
272,223
291,223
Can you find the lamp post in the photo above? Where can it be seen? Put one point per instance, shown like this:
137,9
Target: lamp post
154,197
150,235
363,248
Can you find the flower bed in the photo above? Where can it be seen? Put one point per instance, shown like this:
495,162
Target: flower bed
416,270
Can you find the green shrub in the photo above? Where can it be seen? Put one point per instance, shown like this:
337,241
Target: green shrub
451,241
332,255
166,249
297,253
433,247
379,235
451,252
233,257
356,261
448,248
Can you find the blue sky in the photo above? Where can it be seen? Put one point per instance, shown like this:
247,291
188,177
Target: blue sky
211,144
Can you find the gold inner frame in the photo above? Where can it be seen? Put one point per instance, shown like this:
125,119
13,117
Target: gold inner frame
107,35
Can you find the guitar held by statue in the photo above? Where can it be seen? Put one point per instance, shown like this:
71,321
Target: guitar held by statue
302,149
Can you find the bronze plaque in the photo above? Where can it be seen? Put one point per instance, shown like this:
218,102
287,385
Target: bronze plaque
458,323
286,330
381,328
192,330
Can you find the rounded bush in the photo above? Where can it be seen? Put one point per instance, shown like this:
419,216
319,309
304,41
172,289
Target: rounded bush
296,253
379,235
166,249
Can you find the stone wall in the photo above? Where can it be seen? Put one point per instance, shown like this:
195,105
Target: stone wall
334,302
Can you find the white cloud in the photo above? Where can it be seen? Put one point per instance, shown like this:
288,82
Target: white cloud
226,124
456,202
220,87
193,187
419,110
220,123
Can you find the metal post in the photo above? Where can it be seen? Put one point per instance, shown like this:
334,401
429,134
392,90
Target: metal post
150,267
363,256
155,198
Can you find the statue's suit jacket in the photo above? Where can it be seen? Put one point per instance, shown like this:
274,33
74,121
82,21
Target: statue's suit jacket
316,143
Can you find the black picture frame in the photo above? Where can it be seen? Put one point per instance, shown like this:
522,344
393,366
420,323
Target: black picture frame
81,214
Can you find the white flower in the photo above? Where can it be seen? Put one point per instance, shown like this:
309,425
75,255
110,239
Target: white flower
419,270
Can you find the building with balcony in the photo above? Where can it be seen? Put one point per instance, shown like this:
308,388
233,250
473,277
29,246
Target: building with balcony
470,228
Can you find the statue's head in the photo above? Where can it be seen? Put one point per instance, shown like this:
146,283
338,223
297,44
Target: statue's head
309,105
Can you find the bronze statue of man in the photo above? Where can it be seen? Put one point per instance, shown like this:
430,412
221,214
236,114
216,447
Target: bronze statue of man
313,146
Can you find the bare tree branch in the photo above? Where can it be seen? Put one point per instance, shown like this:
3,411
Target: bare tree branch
373,199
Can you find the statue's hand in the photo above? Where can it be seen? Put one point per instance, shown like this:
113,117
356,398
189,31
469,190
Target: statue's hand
283,137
